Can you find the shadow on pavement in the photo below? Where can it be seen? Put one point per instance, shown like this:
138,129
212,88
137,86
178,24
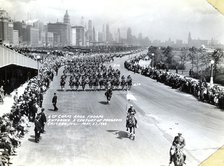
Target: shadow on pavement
32,136
31,140
50,109
103,102
120,134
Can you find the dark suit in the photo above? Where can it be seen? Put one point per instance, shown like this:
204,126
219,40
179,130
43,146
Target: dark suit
54,102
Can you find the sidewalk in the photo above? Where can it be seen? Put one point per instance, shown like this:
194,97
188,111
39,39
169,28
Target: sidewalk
8,100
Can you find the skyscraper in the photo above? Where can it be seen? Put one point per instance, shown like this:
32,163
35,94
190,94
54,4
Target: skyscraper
10,31
61,31
90,30
189,39
78,36
66,18
68,29
21,27
4,19
94,35
107,33
129,36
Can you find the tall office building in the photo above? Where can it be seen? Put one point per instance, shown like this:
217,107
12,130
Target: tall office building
32,36
61,31
107,33
90,31
4,19
78,36
15,37
189,39
21,27
66,18
94,35
68,28
129,36
10,31
104,34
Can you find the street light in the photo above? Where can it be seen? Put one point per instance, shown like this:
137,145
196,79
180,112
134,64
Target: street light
153,59
211,79
38,58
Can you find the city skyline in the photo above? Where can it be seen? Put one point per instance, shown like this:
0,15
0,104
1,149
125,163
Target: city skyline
156,20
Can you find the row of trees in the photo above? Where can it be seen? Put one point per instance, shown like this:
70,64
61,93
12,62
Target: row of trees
195,59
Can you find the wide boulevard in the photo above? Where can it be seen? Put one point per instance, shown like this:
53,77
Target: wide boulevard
87,131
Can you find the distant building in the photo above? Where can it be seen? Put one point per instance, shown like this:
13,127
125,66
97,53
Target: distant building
10,32
78,36
100,37
179,43
49,39
107,33
32,36
196,42
21,27
66,18
94,35
129,36
90,31
15,37
61,31
4,19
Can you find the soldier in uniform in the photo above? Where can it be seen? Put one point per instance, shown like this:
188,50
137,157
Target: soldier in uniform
54,102
178,140
131,111
43,120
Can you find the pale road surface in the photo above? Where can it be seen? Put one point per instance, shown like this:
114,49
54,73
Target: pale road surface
161,113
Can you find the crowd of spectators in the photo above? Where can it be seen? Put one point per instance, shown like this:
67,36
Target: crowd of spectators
198,88
24,111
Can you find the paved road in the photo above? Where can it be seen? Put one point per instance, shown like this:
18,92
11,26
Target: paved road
162,112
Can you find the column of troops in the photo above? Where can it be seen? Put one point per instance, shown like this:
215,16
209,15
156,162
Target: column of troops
92,72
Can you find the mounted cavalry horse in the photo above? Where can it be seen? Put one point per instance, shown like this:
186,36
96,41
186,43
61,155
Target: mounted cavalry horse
131,125
178,155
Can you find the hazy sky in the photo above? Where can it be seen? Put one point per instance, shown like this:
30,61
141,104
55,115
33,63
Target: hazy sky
157,19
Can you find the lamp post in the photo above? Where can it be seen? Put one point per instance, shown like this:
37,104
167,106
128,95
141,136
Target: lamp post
38,59
153,59
211,79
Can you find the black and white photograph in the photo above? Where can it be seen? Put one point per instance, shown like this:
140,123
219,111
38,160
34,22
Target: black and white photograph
112,83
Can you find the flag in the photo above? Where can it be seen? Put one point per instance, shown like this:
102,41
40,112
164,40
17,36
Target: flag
218,4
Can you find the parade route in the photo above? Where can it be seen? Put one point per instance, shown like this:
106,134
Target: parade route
87,131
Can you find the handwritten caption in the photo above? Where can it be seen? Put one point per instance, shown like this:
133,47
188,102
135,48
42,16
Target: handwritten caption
78,120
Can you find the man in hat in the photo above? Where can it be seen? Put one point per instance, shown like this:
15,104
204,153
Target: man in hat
131,110
42,120
37,128
178,141
54,102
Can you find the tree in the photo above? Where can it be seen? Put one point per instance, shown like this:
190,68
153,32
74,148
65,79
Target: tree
183,58
216,56
192,56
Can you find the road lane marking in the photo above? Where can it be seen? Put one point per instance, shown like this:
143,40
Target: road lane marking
216,159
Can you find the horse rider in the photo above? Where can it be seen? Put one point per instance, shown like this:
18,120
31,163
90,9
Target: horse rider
178,140
131,112
109,92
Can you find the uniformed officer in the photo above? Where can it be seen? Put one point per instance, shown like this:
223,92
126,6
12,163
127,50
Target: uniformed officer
178,140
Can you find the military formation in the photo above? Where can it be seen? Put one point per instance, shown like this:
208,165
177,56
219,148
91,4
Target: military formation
90,73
